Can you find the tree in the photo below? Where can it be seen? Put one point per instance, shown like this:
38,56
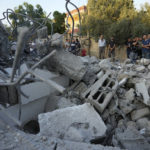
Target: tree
59,22
108,9
26,10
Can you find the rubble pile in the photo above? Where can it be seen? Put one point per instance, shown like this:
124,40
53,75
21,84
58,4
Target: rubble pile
79,103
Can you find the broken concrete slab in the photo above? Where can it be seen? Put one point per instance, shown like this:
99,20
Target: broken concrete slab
137,114
57,40
79,123
72,67
141,89
131,139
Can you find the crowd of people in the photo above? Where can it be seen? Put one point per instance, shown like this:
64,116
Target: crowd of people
73,47
136,48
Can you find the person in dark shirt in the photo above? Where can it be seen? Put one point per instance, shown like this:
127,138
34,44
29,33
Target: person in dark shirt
145,47
73,47
78,46
134,50
129,46
111,48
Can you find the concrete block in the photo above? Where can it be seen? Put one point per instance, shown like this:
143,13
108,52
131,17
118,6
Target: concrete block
141,89
72,67
101,92
137,114
79,123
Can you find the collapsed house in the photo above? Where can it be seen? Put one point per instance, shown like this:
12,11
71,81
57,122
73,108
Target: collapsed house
59,101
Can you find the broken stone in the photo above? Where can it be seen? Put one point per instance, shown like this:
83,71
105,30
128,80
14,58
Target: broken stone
72,67
93,60
140,69
148,67
144,61
132,140
63,103
130,95
57,40
126,106
105,64
78,123
137,114
142,90
80,88
143,123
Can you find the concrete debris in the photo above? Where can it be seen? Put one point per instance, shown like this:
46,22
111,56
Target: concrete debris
74,126
140,69
137,114
131,139
78,101
72,67
142,90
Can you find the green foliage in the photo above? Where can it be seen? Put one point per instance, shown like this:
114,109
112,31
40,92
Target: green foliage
116,18
35,13
59,22
29,10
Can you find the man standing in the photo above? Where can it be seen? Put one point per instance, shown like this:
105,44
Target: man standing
129,47
111,48
101,45
145,47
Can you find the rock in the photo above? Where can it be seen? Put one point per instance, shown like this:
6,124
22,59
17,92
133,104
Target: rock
126,106
96,68
143,123
79,123
105,63
72,67
137,114
130,95
142,90
68,145
145,61
132,140
148,67
93,60
80,88
140,69
63,103
57,40
131,125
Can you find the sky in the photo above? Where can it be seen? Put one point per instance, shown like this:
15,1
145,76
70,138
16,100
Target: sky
51,5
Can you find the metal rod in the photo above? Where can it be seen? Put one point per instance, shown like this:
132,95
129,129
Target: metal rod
50,82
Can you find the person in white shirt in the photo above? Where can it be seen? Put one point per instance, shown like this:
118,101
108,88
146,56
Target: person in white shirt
101,45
